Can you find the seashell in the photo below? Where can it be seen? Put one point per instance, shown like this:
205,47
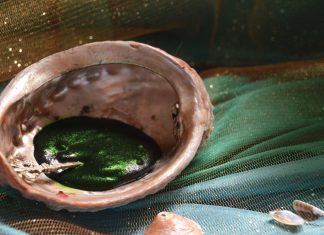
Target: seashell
307,211
287,217
168,223
126,81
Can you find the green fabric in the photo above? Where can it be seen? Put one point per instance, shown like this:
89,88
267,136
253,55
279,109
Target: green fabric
258,124
206,33
266,150
236,33
111,152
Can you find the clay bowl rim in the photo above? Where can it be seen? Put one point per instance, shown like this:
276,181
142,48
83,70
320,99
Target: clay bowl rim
199,105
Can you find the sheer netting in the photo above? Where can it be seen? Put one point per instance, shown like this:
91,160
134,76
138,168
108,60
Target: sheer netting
267,146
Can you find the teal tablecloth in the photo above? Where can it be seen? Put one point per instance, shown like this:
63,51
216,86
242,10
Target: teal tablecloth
266,150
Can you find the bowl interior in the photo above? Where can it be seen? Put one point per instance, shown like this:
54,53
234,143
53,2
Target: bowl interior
129,93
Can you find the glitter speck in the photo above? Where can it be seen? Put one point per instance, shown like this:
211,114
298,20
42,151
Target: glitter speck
10,49
15,61
18,65
44,13
20,50
19,39
211,85
90,37
5,22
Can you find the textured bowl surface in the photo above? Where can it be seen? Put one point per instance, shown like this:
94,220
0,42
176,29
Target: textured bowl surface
127,81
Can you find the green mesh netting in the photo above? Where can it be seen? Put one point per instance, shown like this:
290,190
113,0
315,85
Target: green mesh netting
206,33
267,147
266,150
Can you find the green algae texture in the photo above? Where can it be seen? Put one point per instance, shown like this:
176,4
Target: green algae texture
112,153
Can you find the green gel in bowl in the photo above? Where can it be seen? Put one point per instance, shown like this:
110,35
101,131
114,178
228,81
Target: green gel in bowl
112,153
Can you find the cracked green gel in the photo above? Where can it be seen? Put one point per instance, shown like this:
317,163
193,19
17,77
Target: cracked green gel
112,153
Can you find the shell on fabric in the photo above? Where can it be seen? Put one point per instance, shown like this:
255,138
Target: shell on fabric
125,81
168,223
287,217
307,211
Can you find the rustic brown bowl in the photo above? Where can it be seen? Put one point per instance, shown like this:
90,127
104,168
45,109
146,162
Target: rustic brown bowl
127,81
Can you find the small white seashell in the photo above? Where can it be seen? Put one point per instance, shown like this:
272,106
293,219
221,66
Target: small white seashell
287,217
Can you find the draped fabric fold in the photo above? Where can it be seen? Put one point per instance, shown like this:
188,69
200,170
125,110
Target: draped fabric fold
266,150
267,146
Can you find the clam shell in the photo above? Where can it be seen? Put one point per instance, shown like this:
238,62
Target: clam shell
127,81
307,211
168,223
287,217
